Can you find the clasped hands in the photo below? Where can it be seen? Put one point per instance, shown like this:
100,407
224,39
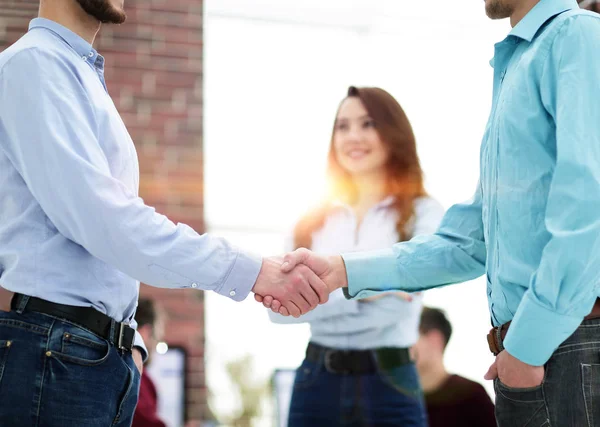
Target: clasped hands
300,281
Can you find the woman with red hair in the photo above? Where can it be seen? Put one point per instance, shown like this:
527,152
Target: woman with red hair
358,369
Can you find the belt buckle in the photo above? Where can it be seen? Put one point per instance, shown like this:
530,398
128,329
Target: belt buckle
122,332
499,339
494,339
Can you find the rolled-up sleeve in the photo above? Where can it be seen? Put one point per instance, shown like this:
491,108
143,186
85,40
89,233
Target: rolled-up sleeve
565,286
52,139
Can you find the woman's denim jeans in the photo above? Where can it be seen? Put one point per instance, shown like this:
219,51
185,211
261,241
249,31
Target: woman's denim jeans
385,398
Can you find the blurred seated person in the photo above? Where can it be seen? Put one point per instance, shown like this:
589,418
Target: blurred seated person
451,400
151,327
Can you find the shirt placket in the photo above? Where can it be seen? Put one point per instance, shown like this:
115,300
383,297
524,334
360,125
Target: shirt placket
503,54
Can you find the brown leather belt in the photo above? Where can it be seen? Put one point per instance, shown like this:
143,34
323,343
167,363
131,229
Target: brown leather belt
497,334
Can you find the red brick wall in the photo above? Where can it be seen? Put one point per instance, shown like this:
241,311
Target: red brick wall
154,74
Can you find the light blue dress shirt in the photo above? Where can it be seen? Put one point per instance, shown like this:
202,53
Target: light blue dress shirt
73,229
534,223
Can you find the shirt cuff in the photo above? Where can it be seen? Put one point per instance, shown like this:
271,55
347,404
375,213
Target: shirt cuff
370,273
242,277
536,332
138,342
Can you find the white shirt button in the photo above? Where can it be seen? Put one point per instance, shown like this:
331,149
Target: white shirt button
91,54
84,58
232,293
194,285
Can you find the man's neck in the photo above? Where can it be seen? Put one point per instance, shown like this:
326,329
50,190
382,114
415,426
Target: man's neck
433,378
521,9
70,15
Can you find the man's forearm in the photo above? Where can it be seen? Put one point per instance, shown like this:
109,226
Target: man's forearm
423,263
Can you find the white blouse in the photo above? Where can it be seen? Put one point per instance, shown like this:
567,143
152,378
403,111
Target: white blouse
353,324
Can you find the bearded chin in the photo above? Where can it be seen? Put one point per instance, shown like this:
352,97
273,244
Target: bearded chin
496,9
103,11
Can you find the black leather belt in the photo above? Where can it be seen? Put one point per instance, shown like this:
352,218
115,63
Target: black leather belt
357,362
119,334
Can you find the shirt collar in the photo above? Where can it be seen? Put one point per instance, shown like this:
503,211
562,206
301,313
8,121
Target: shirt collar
78,44
527,27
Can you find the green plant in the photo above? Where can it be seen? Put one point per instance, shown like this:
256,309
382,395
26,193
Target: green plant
250,393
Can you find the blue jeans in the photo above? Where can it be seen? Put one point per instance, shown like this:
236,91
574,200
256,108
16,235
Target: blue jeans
385,398
56,374
570,393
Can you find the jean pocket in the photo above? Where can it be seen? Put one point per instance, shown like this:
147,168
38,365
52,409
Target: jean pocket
523,407
306,375
128,399
82,348
528,394
5,346
402,379
590,374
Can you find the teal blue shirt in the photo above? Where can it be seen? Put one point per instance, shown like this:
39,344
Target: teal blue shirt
533,226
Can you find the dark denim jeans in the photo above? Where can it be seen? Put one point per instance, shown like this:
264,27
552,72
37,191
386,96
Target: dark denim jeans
56,374
570,393
386,398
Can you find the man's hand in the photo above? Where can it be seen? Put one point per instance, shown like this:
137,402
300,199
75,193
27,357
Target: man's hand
137,359
297,290
513,373
331,270
5,297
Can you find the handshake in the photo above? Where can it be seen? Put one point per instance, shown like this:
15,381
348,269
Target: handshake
298,282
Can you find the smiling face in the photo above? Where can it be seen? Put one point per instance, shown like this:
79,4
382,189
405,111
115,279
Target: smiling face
357,144
373,152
